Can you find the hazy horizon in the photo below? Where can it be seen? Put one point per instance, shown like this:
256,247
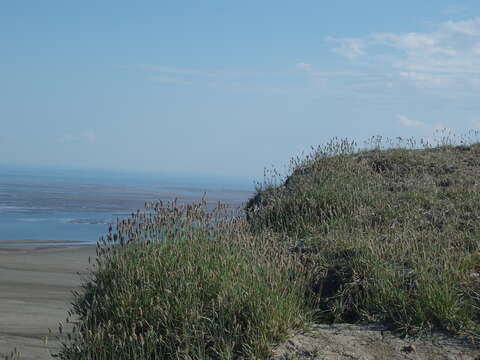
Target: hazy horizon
124,177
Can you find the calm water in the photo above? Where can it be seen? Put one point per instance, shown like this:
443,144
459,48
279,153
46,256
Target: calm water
62,206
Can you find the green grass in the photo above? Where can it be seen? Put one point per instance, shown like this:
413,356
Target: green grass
390,236
380,235
196,286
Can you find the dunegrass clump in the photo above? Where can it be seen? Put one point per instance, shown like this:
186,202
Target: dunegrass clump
176,282
387,234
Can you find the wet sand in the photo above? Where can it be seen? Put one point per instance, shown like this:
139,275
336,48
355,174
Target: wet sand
35,293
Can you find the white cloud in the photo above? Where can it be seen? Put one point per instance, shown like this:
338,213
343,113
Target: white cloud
425,79
214,77
169,80
426,129
449,55
85,137
314,72
402,119
67,138
349,47
89,137
304,66
455,9
466,27
199,72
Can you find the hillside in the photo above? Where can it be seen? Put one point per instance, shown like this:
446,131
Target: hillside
387,237
392,235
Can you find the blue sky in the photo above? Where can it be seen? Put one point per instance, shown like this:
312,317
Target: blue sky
227,88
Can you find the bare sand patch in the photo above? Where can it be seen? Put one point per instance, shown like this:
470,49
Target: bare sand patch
371,342
36,283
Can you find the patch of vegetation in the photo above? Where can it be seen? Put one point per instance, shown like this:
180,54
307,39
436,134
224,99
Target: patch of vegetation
387,235
178,283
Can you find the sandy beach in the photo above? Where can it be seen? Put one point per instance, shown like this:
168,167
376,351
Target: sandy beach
35,293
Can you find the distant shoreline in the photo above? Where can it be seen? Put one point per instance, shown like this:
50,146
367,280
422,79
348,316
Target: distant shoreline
17,245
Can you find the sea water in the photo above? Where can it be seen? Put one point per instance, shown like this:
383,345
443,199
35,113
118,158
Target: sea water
66,206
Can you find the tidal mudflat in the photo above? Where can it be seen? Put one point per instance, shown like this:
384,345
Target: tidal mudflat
36,282
35,206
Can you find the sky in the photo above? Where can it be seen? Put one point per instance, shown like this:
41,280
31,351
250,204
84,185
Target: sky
226,88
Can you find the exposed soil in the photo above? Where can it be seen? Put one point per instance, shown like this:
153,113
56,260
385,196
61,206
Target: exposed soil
358,342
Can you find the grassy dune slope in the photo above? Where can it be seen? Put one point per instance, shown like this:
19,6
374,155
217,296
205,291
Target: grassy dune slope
386,236
390,235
